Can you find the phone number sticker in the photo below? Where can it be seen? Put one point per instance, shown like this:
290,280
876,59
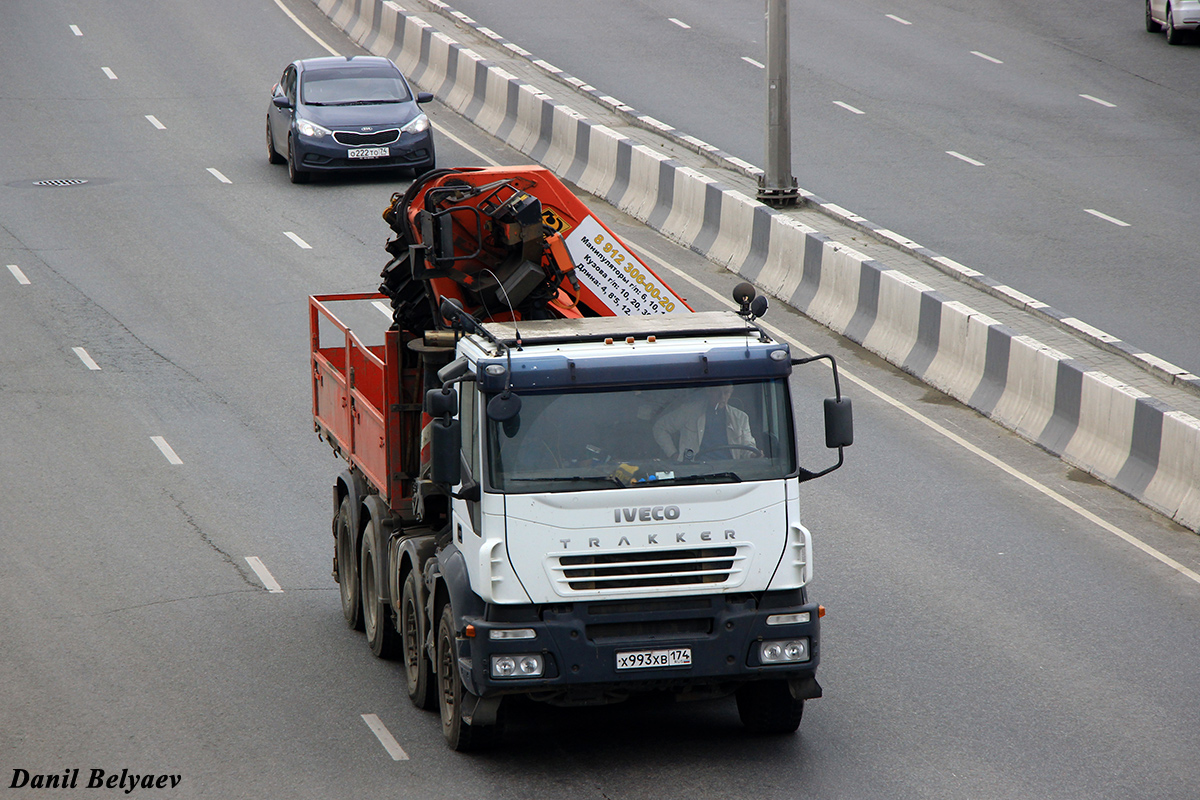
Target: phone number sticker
615,276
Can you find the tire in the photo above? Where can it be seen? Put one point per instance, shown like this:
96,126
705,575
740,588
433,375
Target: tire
376,612
451,693
422,689
1174,35
295,175
347,556
273,156
768,707
1151,25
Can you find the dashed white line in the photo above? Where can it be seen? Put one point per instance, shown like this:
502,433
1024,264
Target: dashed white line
20,276
112,76
383,308
87,360
154,121
894,18
752,62
1107,218
264,574
216,173
986,57
848,107
75,30
385,737
303,245
1104,103
166,449
967,159
679,22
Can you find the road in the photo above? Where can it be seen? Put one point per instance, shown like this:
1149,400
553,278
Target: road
985,638
1052,146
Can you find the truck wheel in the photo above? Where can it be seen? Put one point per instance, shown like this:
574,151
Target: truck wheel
452,694
768,707
421,688
348,569
377,622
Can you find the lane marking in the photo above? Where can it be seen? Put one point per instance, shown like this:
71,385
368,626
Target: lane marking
967,159
894,18
848,107
306,29
87,360
112,76
680,23
303,245
154,121
995,461
20,276
383,308
751,61
385,737
166,449
1104,103
1107,218
75,30
216,173
986,57
264,574
443,132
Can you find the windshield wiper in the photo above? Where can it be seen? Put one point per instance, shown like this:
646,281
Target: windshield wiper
571,479
708,477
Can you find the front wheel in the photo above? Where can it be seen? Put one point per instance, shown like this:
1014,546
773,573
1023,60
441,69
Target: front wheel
347,561
295,175
768,707
460,735
273,156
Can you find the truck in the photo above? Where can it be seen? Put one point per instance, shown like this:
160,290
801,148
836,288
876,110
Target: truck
560,481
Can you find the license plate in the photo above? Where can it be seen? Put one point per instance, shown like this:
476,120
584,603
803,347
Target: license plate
368,152
649,659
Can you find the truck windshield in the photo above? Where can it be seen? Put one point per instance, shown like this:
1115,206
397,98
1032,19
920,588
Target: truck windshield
644,436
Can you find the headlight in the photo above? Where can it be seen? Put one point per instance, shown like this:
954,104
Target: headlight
526,665
312,129
419,124
783,651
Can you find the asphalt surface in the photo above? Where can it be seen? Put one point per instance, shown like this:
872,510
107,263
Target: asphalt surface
902,114
984,640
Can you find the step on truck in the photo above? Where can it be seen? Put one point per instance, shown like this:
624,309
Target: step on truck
562,482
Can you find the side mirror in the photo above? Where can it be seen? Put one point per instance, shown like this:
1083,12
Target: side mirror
441,403
839,422
424,97
445,442
281,101
504,406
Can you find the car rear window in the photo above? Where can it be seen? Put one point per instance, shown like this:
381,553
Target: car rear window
352,85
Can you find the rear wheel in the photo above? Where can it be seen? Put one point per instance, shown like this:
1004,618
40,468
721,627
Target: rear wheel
347,557
295,175
417,672
377,623
452,694
273,156
768,707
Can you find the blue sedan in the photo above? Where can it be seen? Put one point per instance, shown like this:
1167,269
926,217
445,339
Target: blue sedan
356,112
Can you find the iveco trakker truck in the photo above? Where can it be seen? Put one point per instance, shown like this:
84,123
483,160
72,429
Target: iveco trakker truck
561,482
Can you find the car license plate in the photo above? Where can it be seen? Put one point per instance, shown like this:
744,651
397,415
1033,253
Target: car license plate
647,659
368,152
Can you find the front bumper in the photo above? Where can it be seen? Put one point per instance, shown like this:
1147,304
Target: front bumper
410,150
579,644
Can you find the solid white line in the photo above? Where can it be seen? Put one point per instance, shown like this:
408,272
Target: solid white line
750,60
154,121
898,19
75,30
1106,217
86,359
20,276
964,158
443,132
975,450
986,57
306,29
1104,103
112,76
385,737
166,449
264,574
848,107
216,173
383,308
302,244
680,23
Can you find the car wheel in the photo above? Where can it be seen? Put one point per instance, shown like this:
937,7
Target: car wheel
295,175
1174,35
1151,25
273,156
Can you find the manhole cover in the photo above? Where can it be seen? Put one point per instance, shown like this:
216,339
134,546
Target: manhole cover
61,182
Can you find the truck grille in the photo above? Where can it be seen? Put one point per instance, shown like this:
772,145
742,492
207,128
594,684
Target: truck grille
356,139
622,571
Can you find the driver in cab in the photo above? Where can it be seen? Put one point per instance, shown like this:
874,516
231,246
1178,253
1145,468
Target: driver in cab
706,425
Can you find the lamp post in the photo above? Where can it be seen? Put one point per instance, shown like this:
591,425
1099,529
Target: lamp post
777,187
